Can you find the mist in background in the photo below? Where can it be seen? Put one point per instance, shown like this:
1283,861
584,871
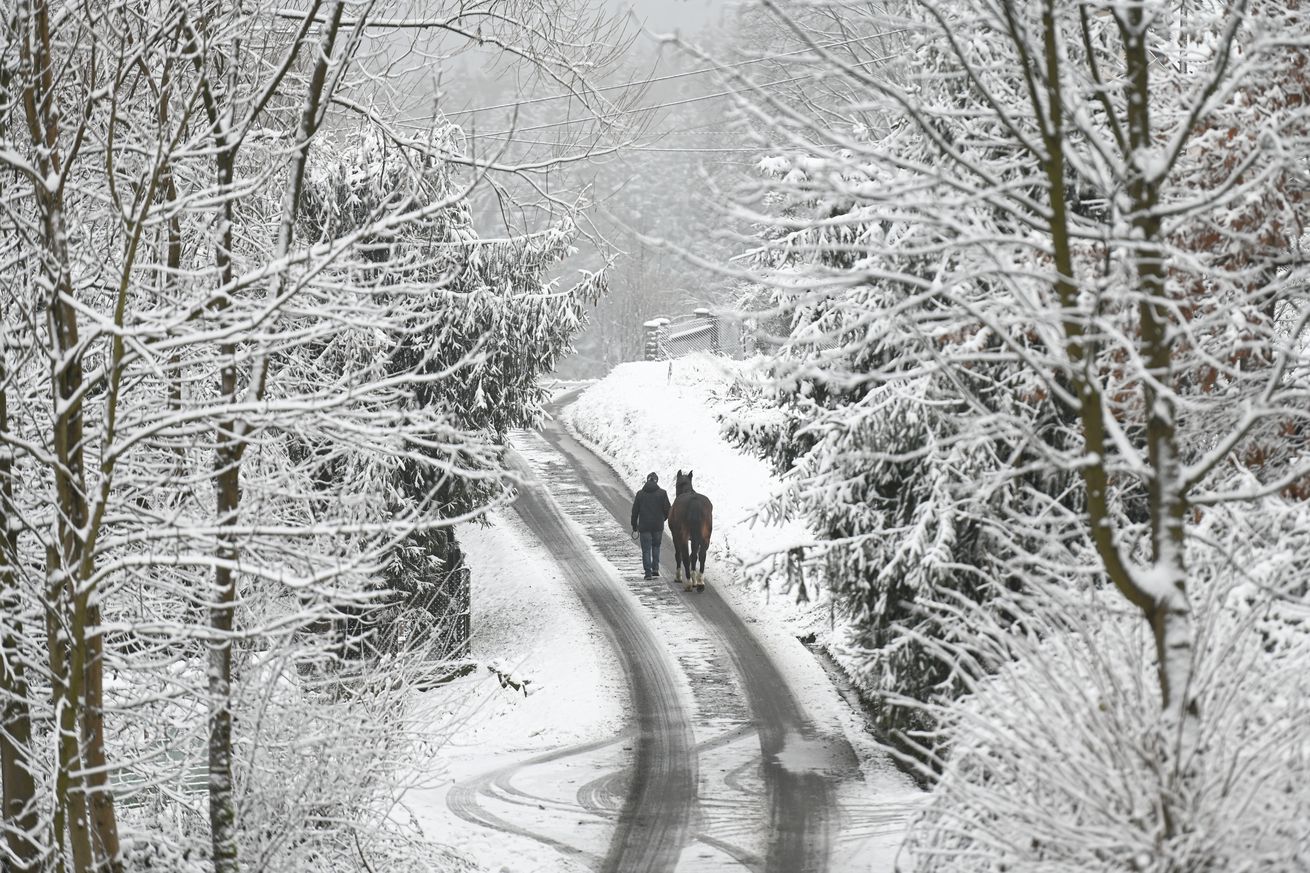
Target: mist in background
649,148
652,139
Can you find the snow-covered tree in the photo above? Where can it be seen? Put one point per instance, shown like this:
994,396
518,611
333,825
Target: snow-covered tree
1043,289
226,401
505,320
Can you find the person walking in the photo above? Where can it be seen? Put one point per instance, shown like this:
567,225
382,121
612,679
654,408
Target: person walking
650,508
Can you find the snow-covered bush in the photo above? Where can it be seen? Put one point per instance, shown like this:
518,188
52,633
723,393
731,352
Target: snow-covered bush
1057,760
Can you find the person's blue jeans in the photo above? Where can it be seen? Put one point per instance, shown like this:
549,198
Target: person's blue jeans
650,551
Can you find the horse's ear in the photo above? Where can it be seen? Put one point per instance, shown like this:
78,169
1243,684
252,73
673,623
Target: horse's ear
679,471
689,473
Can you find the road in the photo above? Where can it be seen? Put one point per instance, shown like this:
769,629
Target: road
661,796
721,769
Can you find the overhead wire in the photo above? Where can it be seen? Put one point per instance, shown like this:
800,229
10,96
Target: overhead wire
671,76
619,112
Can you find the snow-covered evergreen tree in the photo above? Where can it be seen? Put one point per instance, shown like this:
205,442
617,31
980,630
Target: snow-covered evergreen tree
903,469
497,321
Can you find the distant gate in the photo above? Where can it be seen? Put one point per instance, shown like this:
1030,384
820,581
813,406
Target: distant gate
668,338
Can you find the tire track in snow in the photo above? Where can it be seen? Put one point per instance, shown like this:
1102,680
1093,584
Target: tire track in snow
602,796
463,799
655,821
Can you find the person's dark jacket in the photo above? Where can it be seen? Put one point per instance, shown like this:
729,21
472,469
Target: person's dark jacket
650,508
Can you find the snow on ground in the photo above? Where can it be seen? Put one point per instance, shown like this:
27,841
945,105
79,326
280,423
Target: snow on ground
529,624
659,417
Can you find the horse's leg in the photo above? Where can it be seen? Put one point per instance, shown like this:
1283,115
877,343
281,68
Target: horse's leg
691,562
707,527
688,562
701,549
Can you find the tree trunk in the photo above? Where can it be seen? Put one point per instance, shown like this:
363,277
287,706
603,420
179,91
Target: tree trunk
78,679
222,791
100,798
1169,611
84,643
70,801
1159,592
19,814
229,448
222,794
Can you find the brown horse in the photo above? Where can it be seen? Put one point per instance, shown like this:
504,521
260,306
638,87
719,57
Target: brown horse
691,521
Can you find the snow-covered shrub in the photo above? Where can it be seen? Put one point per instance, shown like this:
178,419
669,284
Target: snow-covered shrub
146,849
1057,756
320,758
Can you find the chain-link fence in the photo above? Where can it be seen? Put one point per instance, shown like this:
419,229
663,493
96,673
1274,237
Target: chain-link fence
702,331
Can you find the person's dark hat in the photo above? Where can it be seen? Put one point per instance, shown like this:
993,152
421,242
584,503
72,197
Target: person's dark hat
651,477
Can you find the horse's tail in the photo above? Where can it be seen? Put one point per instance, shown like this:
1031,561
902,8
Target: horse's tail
698,522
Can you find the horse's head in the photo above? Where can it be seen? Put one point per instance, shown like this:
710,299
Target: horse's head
683,482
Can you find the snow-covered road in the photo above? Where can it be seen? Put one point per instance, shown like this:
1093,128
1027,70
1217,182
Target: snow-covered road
731,668
659,794
717,763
